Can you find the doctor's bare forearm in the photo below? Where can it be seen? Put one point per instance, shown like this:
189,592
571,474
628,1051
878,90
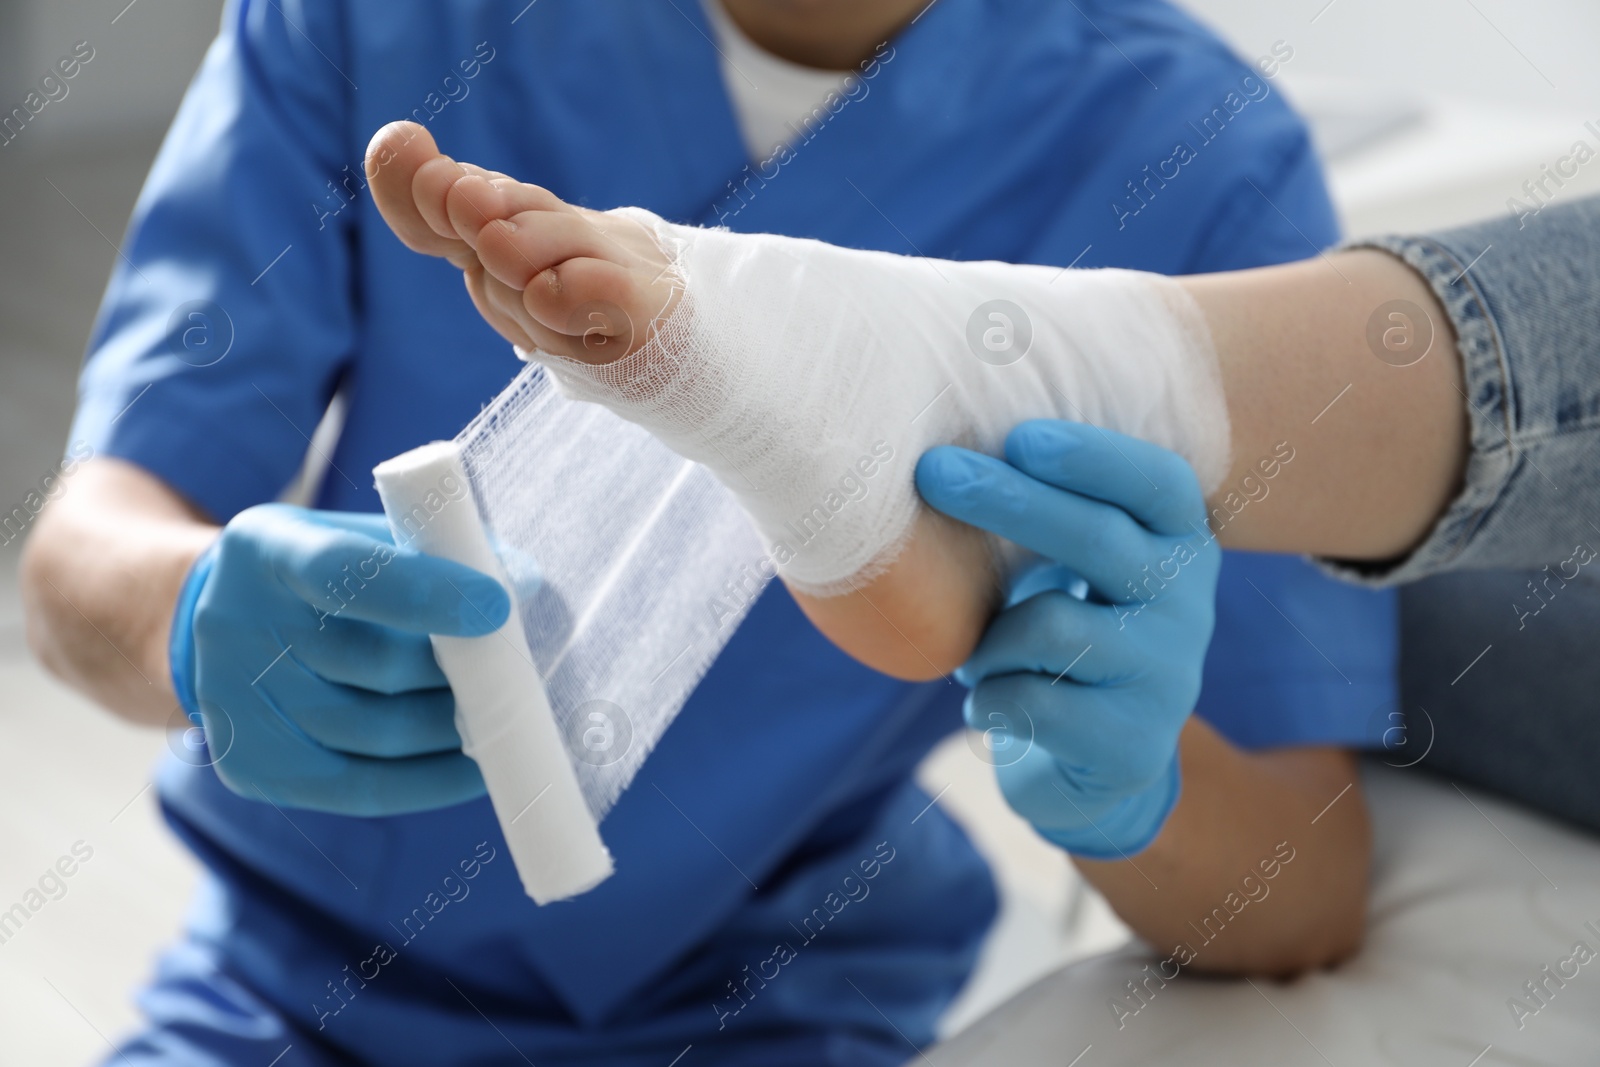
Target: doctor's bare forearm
1310,356
100,576
1255,872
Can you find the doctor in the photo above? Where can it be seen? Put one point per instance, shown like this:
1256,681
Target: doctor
359,905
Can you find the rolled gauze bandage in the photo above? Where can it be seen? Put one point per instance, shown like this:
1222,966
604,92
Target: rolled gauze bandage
502,712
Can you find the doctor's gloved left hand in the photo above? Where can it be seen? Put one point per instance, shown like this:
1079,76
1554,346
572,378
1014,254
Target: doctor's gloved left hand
1083,697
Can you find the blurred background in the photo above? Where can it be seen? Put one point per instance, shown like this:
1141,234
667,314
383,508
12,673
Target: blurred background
1427,112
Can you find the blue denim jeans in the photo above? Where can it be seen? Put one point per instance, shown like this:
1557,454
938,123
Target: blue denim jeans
1523,297
1500,682
1501,697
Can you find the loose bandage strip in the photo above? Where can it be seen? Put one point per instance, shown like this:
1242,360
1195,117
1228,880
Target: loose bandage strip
810,378
630,567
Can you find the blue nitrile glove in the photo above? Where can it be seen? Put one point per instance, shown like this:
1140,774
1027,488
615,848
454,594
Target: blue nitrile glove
1086,697
300,640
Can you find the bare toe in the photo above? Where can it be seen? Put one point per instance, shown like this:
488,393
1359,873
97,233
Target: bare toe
587,301
475,200
395,155
518,248
491,304
430,188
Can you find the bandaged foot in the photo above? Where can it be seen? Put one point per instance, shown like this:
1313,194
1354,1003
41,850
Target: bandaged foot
810,378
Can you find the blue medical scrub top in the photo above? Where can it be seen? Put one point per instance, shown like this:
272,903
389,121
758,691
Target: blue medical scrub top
1022,130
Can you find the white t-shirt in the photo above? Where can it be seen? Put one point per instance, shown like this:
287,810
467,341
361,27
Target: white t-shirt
771,96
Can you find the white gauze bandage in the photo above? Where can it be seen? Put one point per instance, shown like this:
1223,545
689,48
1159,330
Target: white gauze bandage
810,378
629,566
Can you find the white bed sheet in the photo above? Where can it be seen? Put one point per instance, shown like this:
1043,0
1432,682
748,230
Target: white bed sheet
1472,896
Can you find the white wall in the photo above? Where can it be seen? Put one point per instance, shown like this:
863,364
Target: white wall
1477,96
142,60
1462,48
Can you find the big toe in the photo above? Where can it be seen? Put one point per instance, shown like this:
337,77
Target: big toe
396,156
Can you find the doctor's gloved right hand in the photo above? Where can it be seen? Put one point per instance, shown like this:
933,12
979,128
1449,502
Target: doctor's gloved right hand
300,642
1089,674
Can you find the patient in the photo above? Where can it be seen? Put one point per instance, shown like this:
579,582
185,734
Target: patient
745,381
598,300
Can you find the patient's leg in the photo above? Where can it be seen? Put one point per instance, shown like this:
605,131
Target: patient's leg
1351,361
810,378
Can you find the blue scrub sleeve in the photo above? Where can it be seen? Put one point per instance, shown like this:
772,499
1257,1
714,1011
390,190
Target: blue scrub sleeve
1279,211
230,311
1298,658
